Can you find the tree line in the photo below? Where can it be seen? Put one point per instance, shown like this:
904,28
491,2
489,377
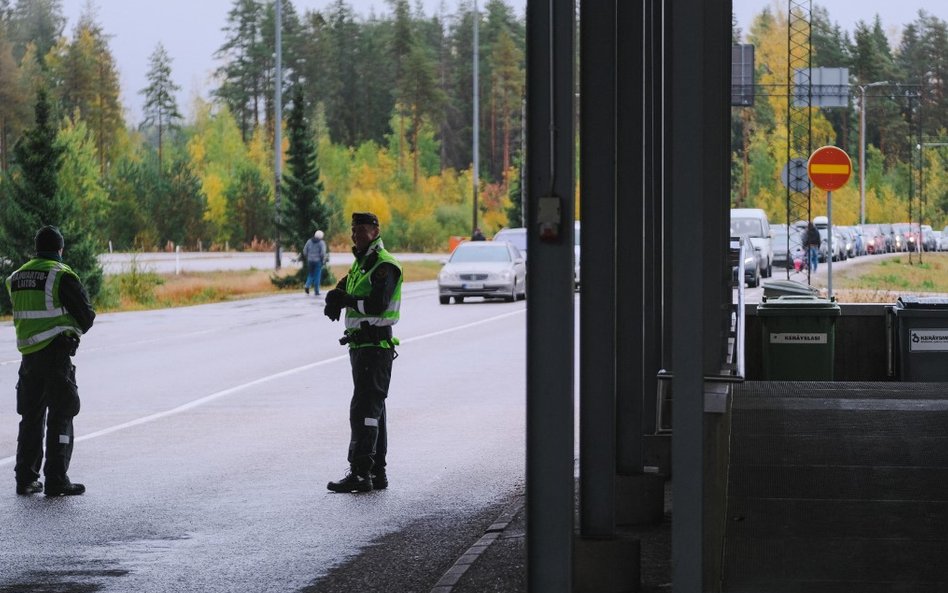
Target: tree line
379,116
906,117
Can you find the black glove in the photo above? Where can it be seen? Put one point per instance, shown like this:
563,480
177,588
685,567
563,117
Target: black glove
338,298
332,313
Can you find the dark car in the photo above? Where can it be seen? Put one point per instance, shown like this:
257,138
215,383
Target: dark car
786,246
750,271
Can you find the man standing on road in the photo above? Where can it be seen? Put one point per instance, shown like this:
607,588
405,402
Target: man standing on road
371,296
813,240
50,311
314,252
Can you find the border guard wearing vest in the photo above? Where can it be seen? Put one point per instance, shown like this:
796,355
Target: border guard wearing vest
371,295
50,311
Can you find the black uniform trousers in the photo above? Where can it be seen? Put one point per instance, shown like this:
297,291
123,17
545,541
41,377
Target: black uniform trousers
371,374
46,390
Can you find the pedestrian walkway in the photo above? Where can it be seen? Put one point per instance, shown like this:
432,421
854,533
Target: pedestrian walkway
501,567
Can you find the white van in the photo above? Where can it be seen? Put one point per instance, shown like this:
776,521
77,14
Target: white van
753,223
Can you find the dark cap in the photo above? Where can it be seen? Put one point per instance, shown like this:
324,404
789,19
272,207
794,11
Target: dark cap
48,238
364,218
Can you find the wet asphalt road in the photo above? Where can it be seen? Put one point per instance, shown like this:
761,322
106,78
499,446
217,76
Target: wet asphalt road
207,435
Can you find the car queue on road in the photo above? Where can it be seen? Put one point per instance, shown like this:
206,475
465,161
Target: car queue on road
479,268
782,245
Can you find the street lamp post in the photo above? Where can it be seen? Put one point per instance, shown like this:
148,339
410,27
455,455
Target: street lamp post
277,121
862,147
477,116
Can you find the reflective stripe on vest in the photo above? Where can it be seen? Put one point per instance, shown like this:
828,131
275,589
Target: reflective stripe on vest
38,314
359,285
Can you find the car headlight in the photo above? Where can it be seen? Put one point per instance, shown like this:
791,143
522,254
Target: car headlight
506,275
447,277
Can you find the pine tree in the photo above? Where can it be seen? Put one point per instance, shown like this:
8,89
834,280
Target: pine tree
86,81
161,108
37,22
178,209
12,99
302,211
507,82
249,207
420,96
32,198
242,75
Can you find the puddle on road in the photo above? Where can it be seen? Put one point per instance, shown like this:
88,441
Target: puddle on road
73,580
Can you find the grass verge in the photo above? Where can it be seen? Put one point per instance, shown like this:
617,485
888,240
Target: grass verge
140,289
872,280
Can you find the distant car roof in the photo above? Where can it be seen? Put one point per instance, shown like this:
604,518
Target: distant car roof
517,236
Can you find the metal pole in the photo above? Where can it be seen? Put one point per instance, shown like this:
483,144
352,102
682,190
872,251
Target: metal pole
921,201
862,155
597,308
550,346
829,244
476,122
277,124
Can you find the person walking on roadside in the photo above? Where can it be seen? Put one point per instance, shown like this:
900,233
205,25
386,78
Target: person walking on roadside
50,311
370,294
315,253
812,243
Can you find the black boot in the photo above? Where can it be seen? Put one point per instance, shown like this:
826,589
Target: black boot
64,488
379,480
27,488
352,482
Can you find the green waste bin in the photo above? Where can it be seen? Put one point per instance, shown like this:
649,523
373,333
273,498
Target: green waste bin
799,337
779,288
921,336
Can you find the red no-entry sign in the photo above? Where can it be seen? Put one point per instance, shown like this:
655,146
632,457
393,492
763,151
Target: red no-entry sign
829,168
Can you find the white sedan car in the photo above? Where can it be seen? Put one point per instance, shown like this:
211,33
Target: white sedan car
489,269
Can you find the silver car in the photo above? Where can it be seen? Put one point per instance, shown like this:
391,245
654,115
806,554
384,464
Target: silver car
489,269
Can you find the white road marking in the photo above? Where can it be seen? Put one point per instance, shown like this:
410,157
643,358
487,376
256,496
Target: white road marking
243,386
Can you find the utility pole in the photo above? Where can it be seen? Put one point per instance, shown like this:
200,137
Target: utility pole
476,123
277,125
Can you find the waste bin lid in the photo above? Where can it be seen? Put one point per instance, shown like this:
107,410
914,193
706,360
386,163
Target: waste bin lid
797,304
778,288
911,301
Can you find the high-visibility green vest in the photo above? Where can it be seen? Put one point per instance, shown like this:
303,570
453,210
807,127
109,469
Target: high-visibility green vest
359,285
38,313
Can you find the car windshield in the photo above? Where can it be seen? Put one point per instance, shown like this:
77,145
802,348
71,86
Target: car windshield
747,226
485,253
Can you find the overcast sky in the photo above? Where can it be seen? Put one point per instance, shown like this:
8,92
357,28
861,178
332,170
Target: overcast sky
191,31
